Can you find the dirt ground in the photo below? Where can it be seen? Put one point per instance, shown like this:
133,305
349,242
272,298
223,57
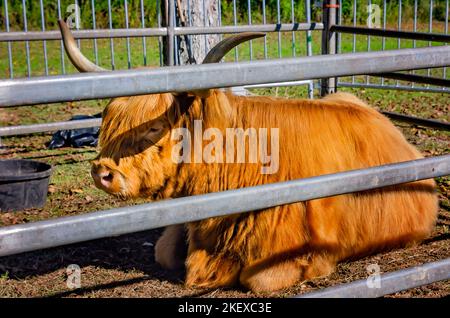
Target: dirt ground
124,266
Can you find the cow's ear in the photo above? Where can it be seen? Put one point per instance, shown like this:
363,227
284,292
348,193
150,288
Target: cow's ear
198,93
182,102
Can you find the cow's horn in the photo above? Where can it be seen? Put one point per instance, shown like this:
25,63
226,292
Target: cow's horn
74,53
224,46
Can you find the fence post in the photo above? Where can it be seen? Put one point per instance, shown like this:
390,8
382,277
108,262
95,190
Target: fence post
170,33
329,18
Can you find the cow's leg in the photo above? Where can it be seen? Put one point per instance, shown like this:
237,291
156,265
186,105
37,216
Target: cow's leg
208,271
171,247
267,277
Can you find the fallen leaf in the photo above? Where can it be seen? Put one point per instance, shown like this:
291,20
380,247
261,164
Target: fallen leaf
51,189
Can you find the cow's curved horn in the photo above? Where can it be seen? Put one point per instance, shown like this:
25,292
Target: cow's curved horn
224,46
74,53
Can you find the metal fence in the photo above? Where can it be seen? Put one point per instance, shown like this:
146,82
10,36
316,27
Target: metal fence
376,40
120,44
35,90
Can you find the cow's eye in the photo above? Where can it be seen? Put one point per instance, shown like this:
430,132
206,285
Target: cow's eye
154,129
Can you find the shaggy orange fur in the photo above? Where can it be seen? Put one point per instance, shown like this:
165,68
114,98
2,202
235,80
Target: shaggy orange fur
273,248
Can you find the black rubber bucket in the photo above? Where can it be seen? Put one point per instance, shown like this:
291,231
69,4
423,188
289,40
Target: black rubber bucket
23,184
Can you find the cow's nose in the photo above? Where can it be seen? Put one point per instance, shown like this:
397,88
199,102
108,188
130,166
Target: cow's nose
102,176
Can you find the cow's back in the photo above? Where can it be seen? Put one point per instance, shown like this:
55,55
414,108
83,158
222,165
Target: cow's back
336,134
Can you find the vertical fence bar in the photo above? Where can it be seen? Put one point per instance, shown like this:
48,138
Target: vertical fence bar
125,4
44,42
264,22
354,35
368,37
249,17
205,37
219,13
61,44
446,32
293,32
144,44
430,29
383,39
328,85
77,19
160,45
176,54
415,30
170,33
27,44
10,61
111,41
399,27
190,22
309,44
339,35
279,23
236,52
94,26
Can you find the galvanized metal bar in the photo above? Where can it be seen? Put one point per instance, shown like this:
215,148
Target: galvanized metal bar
236,50
354,34
72,229
368,40
39,128
279,34
309,51
339,35
388,283
249,22
430,27
144,44
160,31
160,39
264,22
447,9
77,20
125,4
192,77
170,36
10,58
383,39
27,44
44,43
111,40
204,25
328,85
417,78
432,123
414,30
94,26
281,84
434,37
399,23
285,27
293,33
393,87
61,43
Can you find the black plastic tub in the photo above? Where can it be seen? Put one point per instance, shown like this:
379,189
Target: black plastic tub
23,184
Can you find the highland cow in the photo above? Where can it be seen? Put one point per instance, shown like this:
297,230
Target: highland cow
273,248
